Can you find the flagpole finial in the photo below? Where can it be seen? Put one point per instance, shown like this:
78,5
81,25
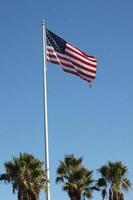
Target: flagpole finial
43,22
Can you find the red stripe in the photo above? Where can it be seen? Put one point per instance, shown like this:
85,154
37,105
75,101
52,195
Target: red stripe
61,62
74,63
70,66
71,72
87,75
50,50
76,75
58,62
77,58
92,58
71,56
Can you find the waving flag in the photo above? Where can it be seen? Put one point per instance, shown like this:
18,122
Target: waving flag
70,58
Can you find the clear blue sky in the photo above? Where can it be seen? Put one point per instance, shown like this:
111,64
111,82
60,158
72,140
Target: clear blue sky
96,122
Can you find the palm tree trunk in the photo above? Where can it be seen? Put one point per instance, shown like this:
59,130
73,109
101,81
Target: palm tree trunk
121,196
110,194
19,194
76,197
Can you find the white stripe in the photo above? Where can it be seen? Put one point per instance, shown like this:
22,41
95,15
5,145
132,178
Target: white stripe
71,59
81,57
74,60
61,61
70,69
81,53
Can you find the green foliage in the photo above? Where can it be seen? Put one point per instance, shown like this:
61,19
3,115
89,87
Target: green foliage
26,175
76,179
113,176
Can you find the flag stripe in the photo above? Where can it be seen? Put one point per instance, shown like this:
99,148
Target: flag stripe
70,58
75,55
72,71
76,67
80,58
86,78
76,50
74,61
63,63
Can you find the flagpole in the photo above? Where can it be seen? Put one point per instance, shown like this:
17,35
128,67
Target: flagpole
46,115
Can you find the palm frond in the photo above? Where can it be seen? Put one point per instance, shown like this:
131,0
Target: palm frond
126,184
76,179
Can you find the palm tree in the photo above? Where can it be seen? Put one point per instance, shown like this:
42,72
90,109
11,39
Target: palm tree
76,179
113,178
26,175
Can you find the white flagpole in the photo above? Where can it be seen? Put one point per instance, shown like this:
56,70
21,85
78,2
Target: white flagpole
46,115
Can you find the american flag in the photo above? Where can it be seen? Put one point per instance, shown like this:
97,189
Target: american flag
70,58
